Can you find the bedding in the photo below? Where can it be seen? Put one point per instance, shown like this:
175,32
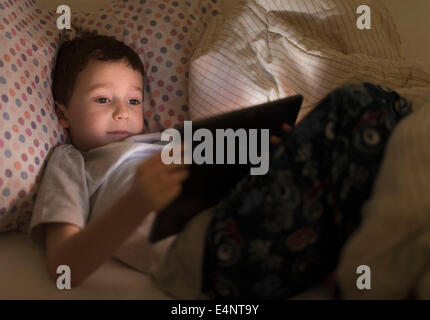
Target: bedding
23,275
252,70
394,238
266,50
178,273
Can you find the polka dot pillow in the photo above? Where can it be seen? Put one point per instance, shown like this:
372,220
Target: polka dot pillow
164,34
28,125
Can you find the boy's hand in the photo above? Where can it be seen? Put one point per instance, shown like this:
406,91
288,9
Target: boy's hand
274,140
157,184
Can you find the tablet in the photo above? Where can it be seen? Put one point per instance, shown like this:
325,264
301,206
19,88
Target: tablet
207,184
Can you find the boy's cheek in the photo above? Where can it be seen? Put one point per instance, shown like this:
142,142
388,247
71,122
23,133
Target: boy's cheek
139,120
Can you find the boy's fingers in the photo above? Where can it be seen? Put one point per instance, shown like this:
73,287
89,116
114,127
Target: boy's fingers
153,160
274,140
150,163
171,168
175,177
165,172
173,191
286,127
165,187
155,165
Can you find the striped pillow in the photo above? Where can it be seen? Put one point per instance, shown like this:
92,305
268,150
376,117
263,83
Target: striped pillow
265,50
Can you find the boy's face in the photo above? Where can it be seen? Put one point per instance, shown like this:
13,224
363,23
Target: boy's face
106,105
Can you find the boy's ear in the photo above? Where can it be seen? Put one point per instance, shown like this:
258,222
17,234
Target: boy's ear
61,112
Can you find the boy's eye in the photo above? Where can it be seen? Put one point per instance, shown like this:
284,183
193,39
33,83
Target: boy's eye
134,101
102,100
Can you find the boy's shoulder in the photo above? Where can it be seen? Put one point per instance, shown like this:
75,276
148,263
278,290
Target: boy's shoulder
64,153
66,148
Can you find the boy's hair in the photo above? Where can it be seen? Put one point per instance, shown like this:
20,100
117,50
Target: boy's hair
74,55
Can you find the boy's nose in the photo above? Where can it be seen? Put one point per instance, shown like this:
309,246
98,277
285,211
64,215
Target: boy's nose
121,112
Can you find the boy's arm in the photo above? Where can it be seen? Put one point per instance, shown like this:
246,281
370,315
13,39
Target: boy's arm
84,250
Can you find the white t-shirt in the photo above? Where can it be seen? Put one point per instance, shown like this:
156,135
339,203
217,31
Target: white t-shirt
78,186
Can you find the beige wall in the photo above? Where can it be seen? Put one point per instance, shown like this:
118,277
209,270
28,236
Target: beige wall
412,18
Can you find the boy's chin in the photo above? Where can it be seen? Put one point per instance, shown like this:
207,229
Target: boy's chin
119,137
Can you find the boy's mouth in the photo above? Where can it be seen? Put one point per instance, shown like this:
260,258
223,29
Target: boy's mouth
119,133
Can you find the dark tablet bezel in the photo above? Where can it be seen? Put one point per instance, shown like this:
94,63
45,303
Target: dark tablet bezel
198,195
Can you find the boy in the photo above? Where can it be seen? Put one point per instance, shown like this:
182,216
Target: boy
101,176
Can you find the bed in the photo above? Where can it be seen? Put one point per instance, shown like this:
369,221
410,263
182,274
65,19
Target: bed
239,42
